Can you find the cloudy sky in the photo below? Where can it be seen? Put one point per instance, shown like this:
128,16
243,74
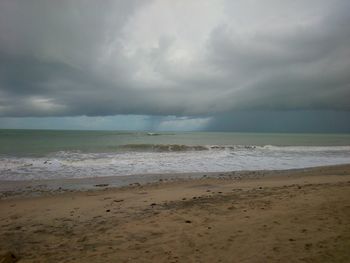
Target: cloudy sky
245,65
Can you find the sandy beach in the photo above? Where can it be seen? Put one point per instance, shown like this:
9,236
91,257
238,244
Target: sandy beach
291,216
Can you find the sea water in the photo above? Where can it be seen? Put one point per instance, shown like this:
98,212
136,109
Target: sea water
45,154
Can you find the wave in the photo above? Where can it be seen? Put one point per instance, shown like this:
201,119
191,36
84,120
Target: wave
184,147
132,159
305,148
280,148
232,147
163,147
153,134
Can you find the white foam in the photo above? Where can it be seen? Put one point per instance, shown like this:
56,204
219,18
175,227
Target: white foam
227,158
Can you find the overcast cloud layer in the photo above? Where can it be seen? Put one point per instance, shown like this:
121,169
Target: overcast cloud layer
182,58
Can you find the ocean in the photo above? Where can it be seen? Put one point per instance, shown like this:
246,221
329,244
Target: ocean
51,154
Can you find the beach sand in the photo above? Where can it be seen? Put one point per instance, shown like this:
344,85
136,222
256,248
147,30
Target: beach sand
295,216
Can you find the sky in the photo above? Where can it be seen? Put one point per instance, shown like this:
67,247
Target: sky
244,65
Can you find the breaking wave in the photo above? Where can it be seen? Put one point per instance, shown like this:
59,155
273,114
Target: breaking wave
185,148
130,159
163,147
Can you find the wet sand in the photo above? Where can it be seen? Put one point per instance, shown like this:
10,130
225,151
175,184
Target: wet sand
290,216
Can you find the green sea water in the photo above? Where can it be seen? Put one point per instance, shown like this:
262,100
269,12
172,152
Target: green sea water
42,142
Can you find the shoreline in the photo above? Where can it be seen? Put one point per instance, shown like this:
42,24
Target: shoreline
281,216
23,188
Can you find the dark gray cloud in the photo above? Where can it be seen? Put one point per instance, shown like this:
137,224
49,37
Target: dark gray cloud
303,68
64,58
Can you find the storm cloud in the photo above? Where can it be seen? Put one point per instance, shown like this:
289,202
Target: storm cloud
173,58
